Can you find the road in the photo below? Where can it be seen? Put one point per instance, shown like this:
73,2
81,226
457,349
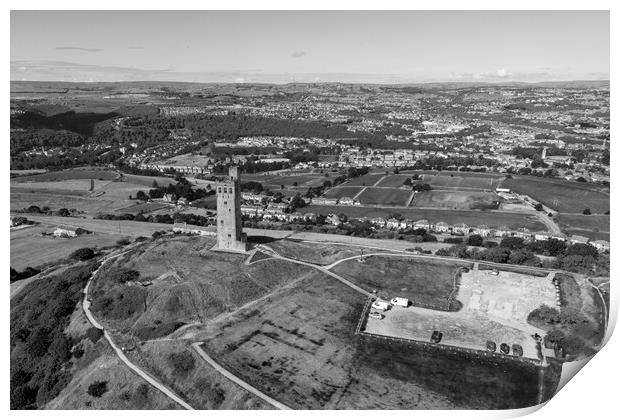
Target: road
86,306
237,380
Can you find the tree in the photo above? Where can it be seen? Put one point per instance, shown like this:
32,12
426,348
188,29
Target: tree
587,211
538,207
97,388
141,195
407,182
475,240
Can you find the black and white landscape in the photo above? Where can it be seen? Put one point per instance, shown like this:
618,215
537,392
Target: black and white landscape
317,210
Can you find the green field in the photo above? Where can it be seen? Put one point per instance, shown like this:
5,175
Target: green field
563,196
385,196
460,181
595,223
339,192
492,219
426,283
458,200
69,174
364,180
394,181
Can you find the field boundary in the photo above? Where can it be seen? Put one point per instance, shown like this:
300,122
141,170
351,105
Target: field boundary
449,348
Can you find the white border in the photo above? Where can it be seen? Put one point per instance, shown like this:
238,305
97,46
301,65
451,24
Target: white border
592,394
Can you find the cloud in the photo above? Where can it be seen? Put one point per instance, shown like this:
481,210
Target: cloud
502,73
298,54
80,49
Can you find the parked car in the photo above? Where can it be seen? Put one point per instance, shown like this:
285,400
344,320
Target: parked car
380,305
376,315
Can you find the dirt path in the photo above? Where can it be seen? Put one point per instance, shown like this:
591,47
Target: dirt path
237,380
158,385
322,269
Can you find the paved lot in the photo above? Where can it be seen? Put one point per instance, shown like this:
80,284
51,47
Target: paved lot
494,308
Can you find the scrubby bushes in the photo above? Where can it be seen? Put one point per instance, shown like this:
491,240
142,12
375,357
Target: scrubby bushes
97,389
182,362
82,254
39,348
28,272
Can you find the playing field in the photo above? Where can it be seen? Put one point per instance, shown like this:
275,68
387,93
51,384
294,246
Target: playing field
385,196
145,208
425,282
457,200
563,196
492,219
595,223
274,182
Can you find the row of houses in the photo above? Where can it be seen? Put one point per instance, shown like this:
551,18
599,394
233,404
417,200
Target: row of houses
343,201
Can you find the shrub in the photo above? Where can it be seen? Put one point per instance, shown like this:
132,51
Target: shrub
94,334
97,389
453,240
83,254
182,362
123,242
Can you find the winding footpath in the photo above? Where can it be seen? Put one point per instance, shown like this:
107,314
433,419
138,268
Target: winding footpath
237,380
119,352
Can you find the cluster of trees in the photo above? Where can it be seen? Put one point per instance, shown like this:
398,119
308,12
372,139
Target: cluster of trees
40,350
182,188
190,219
581,258
20,275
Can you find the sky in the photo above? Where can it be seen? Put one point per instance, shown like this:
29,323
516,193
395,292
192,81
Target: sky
308,46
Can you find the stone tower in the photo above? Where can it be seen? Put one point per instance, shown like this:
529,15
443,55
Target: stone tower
229,235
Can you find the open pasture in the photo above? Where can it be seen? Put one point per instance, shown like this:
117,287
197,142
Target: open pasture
385,196
394,181
29,248
340,192
459,181
425,282
457,200
97,174
367,180
80,187
560,195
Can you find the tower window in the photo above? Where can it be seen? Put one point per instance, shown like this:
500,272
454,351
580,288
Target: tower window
225,202
219,189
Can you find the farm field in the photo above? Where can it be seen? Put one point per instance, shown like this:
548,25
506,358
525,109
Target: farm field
457,200
20,200
367,180
339,192
461,181
385,196
311,358
30,249
562,196
288,180
96,174
147,180
79,187
492,219
594,223
394,181
427,283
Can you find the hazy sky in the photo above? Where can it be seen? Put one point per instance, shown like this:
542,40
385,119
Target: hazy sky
390,46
